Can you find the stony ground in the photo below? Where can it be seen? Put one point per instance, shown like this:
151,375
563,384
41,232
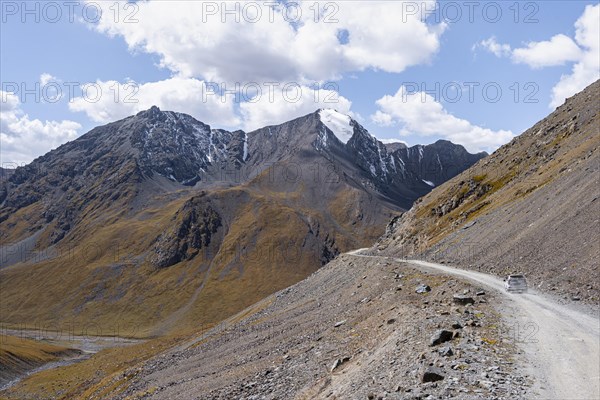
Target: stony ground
356,329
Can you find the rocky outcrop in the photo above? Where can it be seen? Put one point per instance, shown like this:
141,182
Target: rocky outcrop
193,229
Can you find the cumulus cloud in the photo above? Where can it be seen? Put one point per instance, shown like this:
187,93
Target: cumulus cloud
50,88
299,43
559,50
420,114
105,101
22,139
285,105
278,42
491,44
382,119
46,78
583,51
587,68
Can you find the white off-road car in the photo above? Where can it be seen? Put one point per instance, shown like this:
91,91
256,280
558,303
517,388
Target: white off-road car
515,283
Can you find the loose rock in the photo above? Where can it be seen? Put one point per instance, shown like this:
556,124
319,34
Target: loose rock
463,300
339,362
422,289
446,351
432,374
440,336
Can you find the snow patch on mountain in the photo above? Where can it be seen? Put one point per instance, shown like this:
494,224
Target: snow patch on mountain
393,164
321,142
338,123
381,162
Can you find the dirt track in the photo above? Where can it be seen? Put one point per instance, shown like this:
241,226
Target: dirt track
565,350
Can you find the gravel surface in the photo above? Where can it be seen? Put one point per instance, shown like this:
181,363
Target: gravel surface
356,329
562,345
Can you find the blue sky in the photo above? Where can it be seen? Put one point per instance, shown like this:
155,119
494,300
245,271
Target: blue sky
168,52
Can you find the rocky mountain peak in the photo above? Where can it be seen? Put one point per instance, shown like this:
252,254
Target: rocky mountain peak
166,150
151,113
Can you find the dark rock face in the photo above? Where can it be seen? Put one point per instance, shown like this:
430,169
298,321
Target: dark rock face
391,147
194,226
5,173
179,147
107,167
329,249
406,173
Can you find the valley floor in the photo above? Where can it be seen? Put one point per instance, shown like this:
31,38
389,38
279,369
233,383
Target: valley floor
27,352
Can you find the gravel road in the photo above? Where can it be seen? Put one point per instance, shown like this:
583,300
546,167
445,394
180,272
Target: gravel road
564,353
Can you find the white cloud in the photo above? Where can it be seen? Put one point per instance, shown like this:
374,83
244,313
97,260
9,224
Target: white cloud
587,69
53,92
556,51
559,50
191,96
193,43
22,139
258,106
492,45
584,51
382,119
46,78
284,106
197,47
419,114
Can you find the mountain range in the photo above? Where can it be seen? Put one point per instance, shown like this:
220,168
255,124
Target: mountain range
157,223
368,324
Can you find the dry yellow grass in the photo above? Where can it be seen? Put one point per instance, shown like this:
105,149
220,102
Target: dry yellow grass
270,240
95,375
15,349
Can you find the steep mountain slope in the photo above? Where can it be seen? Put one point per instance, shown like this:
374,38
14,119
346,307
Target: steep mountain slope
5,173
158,223
530,207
